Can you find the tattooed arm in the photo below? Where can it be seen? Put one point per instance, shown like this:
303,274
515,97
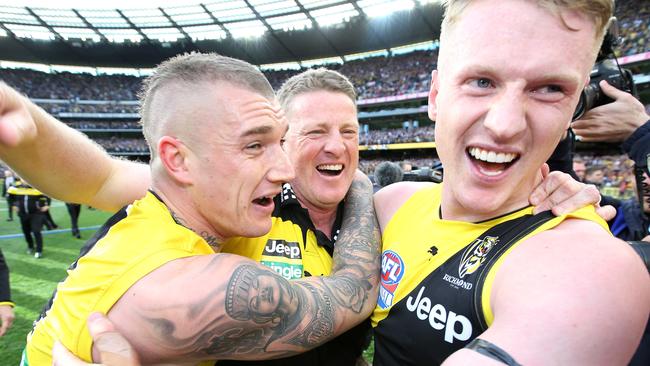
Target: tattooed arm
225,306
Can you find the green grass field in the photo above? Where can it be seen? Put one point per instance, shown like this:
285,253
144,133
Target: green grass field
33,280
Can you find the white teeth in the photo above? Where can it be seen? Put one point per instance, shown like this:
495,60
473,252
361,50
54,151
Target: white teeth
330,167
491,156
484,155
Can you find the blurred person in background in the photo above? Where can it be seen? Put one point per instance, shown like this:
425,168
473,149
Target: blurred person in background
8,182
74,209
387,173
32,206
580,169
6,305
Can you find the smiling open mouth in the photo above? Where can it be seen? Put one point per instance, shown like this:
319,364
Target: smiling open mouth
330,169
491,163
263,201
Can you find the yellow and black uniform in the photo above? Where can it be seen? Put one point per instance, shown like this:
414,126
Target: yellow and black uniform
437,276
138,239
29,201
294,248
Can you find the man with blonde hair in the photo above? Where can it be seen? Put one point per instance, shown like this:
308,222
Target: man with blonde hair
469,274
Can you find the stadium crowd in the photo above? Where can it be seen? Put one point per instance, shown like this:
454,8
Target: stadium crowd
118,145
396,136
633,19
104,125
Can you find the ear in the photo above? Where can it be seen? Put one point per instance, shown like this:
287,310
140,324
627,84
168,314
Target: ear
433,93
174,155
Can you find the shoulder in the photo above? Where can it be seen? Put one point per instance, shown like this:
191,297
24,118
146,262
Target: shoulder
580,249
579,281
390,198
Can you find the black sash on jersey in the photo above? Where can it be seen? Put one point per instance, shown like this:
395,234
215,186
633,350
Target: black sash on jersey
444,312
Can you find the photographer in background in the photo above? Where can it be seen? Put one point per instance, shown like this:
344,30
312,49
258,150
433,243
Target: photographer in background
609,112
623,121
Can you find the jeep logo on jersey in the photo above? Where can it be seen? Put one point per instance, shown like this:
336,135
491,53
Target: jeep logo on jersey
392,270
281,248
475,255
456,326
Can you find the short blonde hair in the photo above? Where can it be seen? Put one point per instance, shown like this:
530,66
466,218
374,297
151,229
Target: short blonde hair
191,69
315,80
598,11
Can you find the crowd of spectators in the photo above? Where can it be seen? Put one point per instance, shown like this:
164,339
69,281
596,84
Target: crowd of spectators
368,165
72,86
374,77
120,145
74,107
618,174
105,125
396,136
634,20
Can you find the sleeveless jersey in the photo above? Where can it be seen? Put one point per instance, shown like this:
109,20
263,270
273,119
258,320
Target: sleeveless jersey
294,248
140,238
437,277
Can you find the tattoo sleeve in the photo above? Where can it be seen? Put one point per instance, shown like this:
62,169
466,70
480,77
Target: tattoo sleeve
246,311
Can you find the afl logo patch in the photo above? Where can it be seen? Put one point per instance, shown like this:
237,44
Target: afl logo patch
392,271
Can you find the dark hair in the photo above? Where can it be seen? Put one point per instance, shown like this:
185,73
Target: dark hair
388,173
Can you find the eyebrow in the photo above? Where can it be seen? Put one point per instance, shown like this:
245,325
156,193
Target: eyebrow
261,130
545,78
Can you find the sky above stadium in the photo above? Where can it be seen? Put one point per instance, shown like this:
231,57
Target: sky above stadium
95,4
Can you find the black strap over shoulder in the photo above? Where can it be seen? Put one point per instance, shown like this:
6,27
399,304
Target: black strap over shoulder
507,233
642,248
492,351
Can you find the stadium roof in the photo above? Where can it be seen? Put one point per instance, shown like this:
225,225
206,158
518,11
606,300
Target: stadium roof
258,31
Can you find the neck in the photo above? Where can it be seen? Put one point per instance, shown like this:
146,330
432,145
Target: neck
184,214
323,221
323,218
453,209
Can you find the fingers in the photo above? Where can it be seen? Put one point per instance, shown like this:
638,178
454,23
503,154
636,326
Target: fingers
611,91
544,190
113,348
562,194
6,318
62,357
16,124
647,238
545,170
606,212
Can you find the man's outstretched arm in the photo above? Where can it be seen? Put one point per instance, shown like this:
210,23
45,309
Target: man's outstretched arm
62,162
227,307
